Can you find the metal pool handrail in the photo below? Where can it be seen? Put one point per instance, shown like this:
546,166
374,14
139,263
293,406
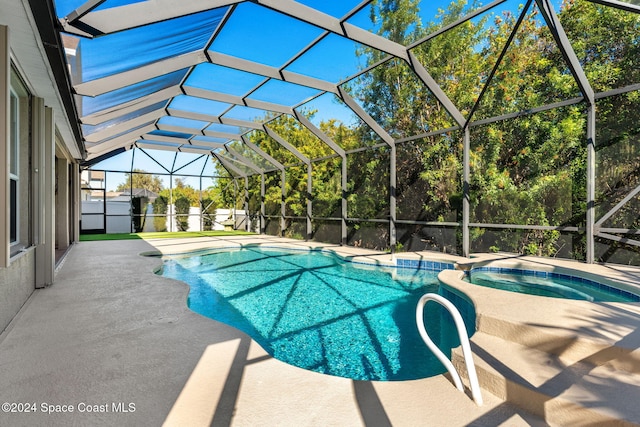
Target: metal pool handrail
464,342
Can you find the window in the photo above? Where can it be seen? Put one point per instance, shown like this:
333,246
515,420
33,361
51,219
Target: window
14,177
19,165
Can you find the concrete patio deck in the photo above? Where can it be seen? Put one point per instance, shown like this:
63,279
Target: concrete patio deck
117,345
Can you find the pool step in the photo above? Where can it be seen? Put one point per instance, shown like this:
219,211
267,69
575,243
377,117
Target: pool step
571,346
576,393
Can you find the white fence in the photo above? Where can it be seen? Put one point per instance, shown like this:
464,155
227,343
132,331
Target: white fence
119,220
118,216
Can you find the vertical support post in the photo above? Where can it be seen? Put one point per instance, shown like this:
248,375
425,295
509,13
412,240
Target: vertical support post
5,84
235,202
309,201
591,186
343,225
130,200
247,224
75,203
201,215
171,207
466,179
263,210
575,66
104,202
392,198
283,207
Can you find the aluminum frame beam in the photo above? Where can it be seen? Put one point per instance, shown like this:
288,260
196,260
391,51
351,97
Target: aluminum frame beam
242,159
191,149
260,152
591,183
223,153
318,133
123,109
87,7
393,184
563,43
280,140
213,119
617,207
85,21
122,141
143,143
505,48
140,74
273,161
335,25
624,240
118,129
163,138
460,21
270,72
628,7
365,117
228,166
236,100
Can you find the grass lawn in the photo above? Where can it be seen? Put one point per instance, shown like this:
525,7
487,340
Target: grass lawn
162,235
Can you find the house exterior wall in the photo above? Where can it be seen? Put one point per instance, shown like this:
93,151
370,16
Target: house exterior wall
27,261
16,285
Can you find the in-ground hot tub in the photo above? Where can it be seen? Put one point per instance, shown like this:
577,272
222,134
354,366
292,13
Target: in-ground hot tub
548,284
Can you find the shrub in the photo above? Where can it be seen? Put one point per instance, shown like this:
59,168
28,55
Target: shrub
208,209
138,207
160,209
182,213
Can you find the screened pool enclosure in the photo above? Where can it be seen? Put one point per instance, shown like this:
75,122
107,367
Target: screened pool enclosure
406,125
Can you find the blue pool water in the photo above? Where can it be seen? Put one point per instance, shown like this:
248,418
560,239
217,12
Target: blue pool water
315,311
548,284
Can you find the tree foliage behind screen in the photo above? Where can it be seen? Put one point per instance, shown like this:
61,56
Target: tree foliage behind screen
526,169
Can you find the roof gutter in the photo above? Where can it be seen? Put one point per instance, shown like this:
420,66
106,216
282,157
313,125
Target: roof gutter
49,28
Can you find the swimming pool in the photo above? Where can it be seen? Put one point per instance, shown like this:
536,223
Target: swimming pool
549,284
313,310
